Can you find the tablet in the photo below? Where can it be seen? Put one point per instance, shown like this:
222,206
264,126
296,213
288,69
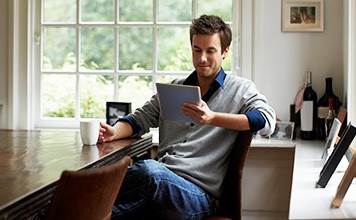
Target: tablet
172,96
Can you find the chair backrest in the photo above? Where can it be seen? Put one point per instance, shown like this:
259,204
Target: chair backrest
88,193
231,198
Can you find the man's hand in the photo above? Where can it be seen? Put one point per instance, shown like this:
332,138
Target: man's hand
106,133
199,113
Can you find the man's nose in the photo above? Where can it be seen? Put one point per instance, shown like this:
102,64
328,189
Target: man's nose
203,57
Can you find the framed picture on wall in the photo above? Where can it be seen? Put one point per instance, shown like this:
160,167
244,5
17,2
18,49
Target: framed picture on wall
303,15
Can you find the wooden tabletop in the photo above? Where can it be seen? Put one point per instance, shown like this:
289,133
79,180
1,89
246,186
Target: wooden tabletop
31,160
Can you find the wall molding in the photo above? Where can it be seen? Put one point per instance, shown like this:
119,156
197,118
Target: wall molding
18,114
351,61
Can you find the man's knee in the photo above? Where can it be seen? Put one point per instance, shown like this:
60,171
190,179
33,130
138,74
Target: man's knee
151,169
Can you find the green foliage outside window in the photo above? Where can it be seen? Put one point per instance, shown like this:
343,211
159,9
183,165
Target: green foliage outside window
63,76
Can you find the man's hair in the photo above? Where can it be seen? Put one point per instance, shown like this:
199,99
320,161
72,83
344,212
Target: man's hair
211,24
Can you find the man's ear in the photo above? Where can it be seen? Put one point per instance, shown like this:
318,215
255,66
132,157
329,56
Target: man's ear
226,52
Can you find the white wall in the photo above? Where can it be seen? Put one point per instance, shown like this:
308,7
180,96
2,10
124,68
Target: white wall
16,107
3,60
280,59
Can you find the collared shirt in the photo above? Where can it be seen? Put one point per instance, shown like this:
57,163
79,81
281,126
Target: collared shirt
192,79
255,118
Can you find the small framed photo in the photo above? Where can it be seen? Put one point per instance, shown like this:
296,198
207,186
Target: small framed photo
116,110
303,15
283,131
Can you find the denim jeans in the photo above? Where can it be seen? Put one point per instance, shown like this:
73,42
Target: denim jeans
151,191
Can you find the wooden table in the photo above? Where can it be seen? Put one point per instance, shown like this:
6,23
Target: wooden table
31,163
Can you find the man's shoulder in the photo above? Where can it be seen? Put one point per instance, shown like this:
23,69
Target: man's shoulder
236,80
178,81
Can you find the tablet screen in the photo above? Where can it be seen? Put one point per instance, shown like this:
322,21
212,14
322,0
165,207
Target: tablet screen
172,96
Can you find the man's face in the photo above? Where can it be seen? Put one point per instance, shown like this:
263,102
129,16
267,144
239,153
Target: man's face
207,55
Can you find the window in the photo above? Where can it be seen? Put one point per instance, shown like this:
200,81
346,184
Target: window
94,51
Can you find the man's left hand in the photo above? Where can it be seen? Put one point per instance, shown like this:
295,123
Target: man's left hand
199,113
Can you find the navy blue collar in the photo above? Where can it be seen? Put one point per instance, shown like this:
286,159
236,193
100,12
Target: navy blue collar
192,79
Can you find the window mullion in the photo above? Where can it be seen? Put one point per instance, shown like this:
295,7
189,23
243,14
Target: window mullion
116,52
155,45
195,8
236,24
78,48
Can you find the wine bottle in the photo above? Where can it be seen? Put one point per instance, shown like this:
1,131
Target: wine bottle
323,108
308,112
330,117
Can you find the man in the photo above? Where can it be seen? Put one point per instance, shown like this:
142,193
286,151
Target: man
193,157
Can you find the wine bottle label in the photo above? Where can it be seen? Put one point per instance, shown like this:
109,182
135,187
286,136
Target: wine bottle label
323,111
306,116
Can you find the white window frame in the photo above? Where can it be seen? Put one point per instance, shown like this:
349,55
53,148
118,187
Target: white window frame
23,89
73,122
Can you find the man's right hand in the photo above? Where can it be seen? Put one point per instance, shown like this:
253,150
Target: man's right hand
106,133
109,133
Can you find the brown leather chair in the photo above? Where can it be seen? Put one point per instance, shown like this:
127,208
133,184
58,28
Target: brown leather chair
88,193
230,202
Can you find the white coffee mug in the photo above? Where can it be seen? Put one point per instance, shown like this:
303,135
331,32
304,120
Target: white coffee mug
89,131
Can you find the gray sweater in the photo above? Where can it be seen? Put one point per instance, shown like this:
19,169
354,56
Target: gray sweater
199,153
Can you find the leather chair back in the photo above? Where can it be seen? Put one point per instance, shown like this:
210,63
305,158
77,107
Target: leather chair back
231,198
88,193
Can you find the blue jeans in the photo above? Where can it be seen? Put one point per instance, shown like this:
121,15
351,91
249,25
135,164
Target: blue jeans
151,191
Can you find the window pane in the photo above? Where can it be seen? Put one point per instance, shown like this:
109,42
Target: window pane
222,8
59,49
95,90
59,11
135,48
97,48
175,11
97,10
133,10
58,95
135,89
174,49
